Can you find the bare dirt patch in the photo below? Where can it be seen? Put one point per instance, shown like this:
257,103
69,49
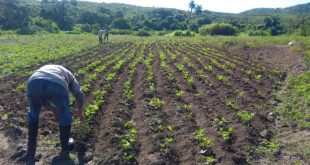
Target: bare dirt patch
280,56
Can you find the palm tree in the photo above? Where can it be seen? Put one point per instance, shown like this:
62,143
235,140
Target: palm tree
198,9
192,5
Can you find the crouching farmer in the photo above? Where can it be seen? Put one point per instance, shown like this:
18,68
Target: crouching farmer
51,85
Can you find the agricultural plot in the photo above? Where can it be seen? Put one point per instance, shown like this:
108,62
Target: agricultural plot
156,102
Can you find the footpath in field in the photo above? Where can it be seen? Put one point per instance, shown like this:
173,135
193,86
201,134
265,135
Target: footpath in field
154,102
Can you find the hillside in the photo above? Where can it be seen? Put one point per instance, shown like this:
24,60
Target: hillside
33,16
298,9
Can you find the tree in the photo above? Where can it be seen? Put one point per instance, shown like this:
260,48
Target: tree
192,5
60,12
74,2
198,9
273,24
13,14
121,23
44,3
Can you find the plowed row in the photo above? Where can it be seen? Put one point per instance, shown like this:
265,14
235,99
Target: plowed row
181,105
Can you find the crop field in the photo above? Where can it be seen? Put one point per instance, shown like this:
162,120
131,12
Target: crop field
152,102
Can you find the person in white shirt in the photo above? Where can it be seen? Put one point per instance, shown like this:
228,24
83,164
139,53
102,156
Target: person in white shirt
51,84
100,33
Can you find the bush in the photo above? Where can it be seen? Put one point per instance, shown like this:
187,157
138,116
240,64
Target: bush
161,33
180,33
121,32
203,21
95,28
121,24
86,28
73,32
194,27
304,30
143,33
46,25
259,33
218,29
37,25
28,30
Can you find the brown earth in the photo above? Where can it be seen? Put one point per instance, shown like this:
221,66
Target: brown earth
207,102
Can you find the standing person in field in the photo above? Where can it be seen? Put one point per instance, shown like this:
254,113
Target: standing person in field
106,34
51,85
100,33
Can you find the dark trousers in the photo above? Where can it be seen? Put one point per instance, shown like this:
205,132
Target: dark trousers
41,92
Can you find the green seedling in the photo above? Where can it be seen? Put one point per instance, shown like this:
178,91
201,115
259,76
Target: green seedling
222,78
245,116
21,87
170,128
179,93
210,160
156,103
231,104
165,144
209,68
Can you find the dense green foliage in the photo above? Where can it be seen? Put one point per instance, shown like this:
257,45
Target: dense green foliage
19,52
218,29
33,16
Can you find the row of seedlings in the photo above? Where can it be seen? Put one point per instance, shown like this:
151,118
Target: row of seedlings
198,136
68,62
230,102
163,131
129,139
256,67
103,59
225,131
244,116
91,78
100,95
221,132
255,71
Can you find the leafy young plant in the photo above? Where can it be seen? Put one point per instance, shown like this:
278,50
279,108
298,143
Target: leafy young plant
164,145
258,77
170,128
209,68
266,148
204,142
190,81
222,78
210,160
110,76
245,116
224,130
201,74
179,93
231,104
226,133
129,140
21,87
156,103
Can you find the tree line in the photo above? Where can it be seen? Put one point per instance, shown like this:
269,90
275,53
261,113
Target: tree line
32,16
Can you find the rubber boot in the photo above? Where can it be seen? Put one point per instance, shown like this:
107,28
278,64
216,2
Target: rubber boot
64,140
32,143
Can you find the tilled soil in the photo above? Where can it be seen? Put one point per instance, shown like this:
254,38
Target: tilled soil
207,102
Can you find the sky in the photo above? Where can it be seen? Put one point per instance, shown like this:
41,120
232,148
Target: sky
228,6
